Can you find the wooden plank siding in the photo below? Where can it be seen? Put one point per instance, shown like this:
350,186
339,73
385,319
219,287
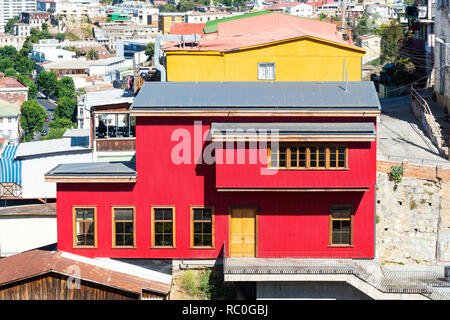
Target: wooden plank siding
53,286
116,144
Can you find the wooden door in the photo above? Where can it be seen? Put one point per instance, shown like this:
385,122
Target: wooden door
243,232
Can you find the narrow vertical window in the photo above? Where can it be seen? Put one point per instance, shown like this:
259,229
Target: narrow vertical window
85,227
341,226
163,227
202,227
123,227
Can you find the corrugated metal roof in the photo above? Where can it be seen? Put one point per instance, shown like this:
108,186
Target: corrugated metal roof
283,128
256,95
263,29
70,144
94,168
126,277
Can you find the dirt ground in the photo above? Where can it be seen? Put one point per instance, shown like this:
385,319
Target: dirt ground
177,292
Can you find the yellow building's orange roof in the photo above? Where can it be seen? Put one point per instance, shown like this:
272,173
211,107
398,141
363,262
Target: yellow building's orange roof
262,29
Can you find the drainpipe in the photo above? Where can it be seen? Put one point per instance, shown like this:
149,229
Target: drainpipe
158,52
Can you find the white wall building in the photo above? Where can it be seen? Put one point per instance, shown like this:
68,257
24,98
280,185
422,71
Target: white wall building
26,227
203,17
39,157
383,11
79,8
9,121
300,10
12,8
442,54
106,67
21,29
49,55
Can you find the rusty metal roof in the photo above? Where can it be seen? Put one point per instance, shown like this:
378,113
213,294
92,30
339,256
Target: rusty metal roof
37,262
48,209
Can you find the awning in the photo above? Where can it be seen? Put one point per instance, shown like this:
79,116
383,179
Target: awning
293,131
11,170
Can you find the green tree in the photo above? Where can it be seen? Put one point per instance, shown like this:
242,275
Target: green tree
150,50
32,89
92,54
61,36
9,24
6,63
65,88
59,123
46,81
391,37
24,66
32,118
57,128
8,51
10,72
66,108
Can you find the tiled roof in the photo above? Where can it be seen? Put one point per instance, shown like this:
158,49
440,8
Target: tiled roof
263,29
9,82
187,28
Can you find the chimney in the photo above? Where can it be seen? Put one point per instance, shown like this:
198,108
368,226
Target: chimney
349,33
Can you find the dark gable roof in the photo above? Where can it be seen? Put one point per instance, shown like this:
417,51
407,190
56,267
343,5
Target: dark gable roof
255,95
95,169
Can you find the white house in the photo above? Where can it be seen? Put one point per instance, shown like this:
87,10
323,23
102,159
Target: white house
106,67
299,9
39,157
382,10
372,44
9,121
26,227
51,54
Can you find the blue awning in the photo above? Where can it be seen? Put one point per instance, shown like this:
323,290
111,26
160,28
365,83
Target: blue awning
11,170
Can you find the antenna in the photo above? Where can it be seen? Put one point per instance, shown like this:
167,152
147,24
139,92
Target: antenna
346,82
343,72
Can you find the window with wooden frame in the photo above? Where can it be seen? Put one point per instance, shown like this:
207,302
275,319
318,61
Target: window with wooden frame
163,227
85,227
341,225
124,226
202,227
301,156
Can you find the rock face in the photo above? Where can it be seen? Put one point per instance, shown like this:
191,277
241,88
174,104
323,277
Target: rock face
413,220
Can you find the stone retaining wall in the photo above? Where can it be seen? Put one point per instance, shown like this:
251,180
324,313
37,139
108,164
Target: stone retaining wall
413,216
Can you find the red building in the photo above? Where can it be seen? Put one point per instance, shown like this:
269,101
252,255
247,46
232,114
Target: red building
260,169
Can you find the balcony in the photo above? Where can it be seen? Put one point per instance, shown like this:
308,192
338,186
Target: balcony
428,281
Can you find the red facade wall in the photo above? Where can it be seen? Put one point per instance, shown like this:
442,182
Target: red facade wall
287,221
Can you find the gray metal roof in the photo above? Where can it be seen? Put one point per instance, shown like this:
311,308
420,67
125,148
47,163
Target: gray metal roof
310,128
48,147
94,169
360,95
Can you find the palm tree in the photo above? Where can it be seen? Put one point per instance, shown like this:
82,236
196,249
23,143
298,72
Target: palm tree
92,54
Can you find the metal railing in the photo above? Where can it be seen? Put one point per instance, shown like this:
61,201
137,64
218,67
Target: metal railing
422,111
425,280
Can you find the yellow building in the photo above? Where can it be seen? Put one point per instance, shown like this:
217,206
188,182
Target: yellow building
292,49
166,20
